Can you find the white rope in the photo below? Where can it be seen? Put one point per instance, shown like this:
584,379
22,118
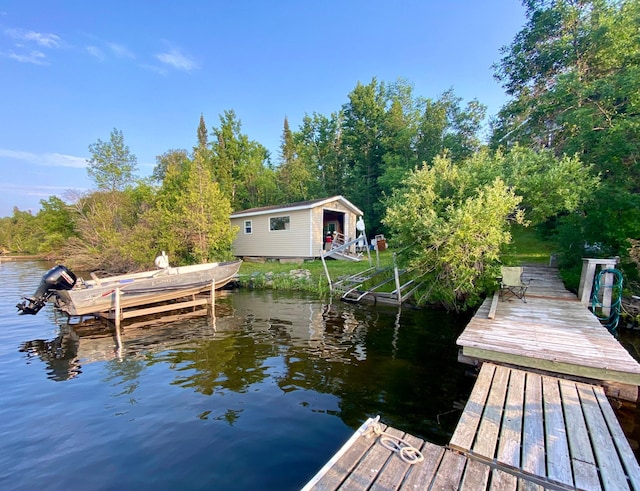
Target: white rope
406,451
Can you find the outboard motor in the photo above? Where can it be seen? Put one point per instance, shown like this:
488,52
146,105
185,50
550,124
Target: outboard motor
57,278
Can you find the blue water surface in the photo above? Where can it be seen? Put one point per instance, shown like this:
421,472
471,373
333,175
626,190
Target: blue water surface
259,401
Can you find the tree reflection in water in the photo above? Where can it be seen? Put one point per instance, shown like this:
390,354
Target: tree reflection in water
400,364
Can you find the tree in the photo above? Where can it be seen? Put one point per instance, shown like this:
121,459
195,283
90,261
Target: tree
574,74
452,230
112,165
319,141
239,165
166,160
192,225
362,145
294,177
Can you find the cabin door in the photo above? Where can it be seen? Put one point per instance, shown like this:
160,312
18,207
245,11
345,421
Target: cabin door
332,225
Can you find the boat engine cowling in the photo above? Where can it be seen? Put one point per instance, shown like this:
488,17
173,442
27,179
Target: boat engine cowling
57,278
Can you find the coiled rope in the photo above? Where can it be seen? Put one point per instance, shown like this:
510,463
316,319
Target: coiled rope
406,451
611,320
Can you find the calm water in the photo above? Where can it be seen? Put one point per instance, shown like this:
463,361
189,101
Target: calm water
261,401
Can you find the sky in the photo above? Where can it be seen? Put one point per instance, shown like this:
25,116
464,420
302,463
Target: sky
73,70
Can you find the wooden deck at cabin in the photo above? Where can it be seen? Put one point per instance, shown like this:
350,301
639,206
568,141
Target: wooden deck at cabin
519,430
552,331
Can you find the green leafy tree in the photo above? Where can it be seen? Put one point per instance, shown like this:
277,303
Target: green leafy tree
550,186
112,165
295,177
363,123
319,146
166,160
193,225
573,72
57,221
240,166
452,230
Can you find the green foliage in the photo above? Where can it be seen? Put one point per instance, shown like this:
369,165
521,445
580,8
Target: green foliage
574,74
454,230
112,165
388,132
192,225
318,145
238,165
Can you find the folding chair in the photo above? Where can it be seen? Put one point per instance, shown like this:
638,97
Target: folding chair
511,283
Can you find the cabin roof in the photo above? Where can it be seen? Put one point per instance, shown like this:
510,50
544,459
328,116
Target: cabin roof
301,205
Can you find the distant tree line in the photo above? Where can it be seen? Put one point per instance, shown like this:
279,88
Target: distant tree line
562,155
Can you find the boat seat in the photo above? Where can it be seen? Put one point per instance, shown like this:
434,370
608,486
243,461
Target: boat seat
512,284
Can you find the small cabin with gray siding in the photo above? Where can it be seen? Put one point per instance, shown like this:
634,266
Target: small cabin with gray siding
296,230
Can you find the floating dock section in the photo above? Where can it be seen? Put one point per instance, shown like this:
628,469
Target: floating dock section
537,417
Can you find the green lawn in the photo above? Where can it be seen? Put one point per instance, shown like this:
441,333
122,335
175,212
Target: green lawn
526,248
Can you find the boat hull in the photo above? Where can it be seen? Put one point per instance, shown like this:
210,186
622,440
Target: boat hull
138,289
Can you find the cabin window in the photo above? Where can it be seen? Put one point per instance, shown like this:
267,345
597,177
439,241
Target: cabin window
279,223
248,227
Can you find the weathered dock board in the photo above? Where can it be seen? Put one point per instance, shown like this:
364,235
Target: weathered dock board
552,331
519,430
556,432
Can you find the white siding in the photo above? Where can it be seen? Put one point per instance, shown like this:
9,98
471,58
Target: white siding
273,243
304,238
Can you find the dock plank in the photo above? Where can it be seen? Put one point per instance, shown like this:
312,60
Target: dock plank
627,457
583,461
449,472
611,471
423,473
465,432
489,429
511,433
370,466
556,441
532,427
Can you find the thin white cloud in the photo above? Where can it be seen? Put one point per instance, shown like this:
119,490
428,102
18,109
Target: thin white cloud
34,57
95,52
45,159
176,59
31,190
44,39
121,51
154,68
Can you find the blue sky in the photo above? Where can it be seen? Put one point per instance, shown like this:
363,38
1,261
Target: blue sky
72,70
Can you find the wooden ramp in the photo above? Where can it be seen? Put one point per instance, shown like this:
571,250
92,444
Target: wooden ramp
519,430
552,331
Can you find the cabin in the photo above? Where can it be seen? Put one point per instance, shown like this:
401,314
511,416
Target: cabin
296,230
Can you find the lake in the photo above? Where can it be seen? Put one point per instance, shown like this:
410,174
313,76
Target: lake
260,400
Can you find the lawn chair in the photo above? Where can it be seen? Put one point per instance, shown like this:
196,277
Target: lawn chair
512,284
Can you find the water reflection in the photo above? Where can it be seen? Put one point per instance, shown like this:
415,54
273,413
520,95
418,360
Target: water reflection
59,354
372,360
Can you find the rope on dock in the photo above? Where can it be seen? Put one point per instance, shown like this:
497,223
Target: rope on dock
407,452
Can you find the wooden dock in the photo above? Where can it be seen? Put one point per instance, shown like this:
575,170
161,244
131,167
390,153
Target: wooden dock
552,331
522,427
519,430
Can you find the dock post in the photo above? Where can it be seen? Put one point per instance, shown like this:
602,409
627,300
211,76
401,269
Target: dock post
397,278
326,271
587,277
213,303
117,314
